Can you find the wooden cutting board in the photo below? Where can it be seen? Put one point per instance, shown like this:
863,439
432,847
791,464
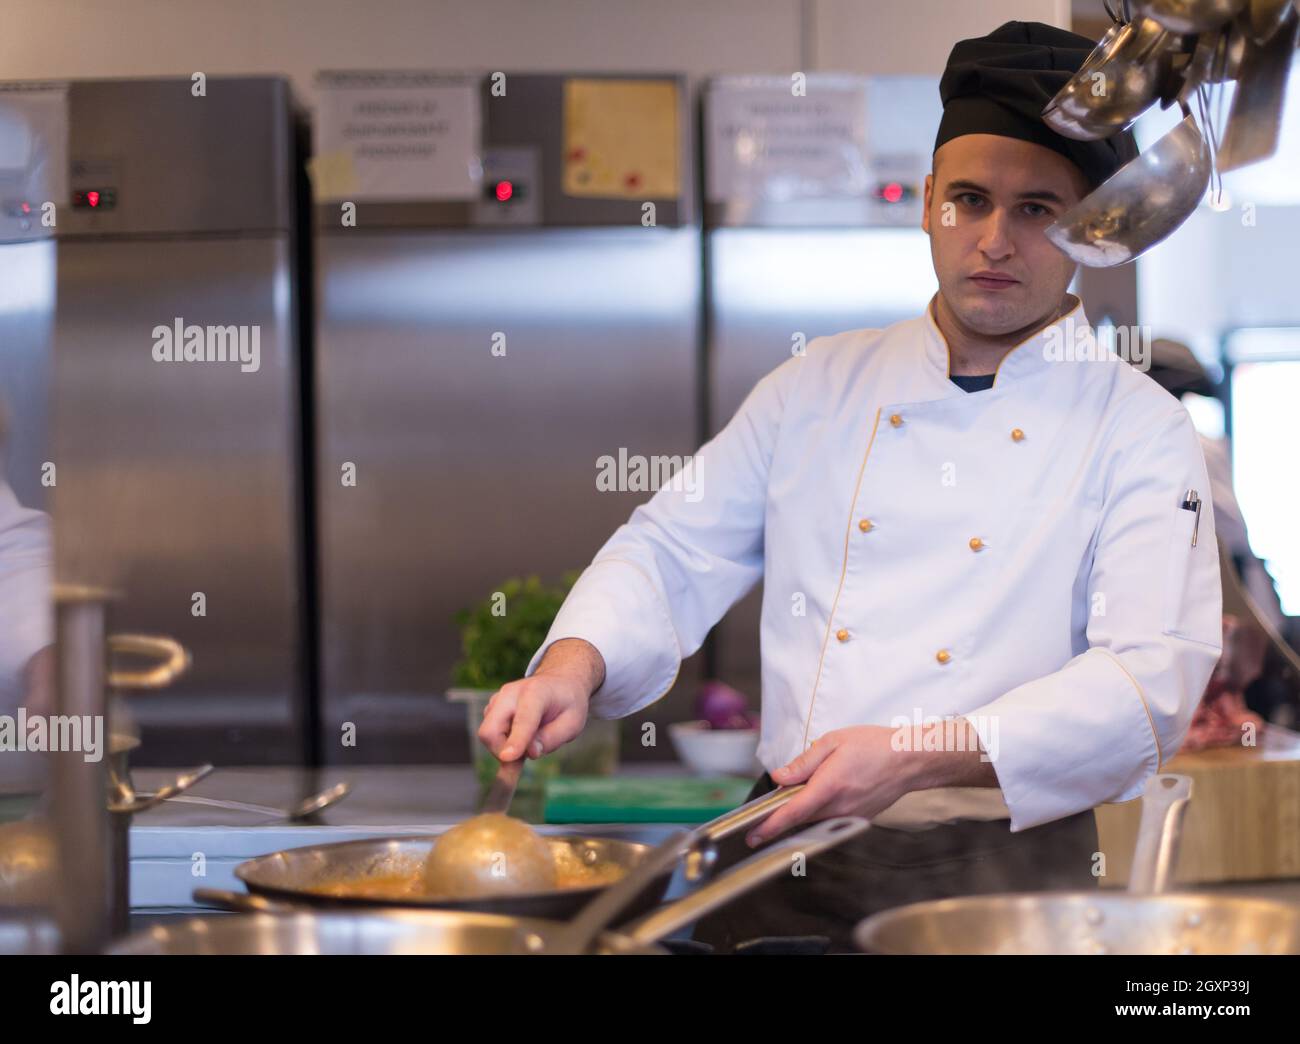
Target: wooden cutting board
1242,823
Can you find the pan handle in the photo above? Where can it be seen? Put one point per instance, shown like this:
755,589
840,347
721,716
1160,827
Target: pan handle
241,902
772,860
173,660
701,852
746,815
1164,803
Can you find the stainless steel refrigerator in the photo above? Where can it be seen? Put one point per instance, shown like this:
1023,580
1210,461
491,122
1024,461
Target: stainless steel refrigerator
33,142
33,161
475,358
177,398
812,226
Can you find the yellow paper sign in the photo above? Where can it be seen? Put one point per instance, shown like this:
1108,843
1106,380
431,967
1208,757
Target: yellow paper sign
621,139
333,175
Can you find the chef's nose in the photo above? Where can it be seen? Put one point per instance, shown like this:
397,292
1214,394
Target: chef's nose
995,236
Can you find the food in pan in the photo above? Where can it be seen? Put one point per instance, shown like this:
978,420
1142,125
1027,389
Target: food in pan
397,886
401,876
572,872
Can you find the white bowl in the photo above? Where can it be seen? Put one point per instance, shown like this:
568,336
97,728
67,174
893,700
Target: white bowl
715,752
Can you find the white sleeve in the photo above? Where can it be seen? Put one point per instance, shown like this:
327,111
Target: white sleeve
26,621
667,575
1095,730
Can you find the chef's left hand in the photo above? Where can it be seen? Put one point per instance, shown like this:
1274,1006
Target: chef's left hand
849,772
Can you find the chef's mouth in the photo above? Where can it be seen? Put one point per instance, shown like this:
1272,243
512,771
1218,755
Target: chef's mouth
994,280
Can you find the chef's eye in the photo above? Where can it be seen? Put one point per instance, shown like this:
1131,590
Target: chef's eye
1036,210
970,199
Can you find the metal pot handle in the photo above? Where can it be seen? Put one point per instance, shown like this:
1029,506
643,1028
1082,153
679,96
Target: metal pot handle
767,863
241,902
1164,803
174,657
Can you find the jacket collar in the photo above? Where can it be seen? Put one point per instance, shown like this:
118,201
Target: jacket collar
1035,353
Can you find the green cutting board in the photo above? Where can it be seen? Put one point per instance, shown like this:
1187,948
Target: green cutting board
642,799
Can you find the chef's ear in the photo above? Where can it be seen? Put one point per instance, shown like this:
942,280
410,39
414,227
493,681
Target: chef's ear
925,210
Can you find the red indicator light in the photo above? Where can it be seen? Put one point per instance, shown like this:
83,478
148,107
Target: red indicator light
504,190
27,208
92,197
892,192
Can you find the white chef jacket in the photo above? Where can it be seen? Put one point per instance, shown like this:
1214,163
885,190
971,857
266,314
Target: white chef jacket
1018,556
26,624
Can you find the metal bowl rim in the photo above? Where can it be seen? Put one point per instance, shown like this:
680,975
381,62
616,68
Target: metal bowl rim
1180,898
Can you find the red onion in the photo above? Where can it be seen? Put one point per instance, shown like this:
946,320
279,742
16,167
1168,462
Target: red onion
722,707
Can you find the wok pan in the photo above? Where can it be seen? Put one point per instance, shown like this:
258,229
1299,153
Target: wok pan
284,929
1144,920
387,871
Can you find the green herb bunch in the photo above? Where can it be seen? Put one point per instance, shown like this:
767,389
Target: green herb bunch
499,635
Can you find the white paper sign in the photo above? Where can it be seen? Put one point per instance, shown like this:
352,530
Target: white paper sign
33,145
765,141
397,136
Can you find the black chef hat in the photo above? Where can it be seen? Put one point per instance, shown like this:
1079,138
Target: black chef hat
1000,84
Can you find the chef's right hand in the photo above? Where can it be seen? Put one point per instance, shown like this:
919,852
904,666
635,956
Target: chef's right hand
540,713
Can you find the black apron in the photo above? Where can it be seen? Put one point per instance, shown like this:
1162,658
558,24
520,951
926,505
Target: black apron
884,867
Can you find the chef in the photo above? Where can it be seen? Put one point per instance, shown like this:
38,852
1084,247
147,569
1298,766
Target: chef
990,602
26,650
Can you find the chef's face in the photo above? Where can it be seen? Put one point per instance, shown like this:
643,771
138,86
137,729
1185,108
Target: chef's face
987,203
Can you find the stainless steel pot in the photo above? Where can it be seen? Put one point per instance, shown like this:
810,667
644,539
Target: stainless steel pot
468,932
1141,921
88,820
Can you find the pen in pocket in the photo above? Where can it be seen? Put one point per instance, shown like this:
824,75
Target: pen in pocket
1192,502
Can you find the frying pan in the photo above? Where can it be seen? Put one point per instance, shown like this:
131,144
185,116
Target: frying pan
291,930
1144,920
298,875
